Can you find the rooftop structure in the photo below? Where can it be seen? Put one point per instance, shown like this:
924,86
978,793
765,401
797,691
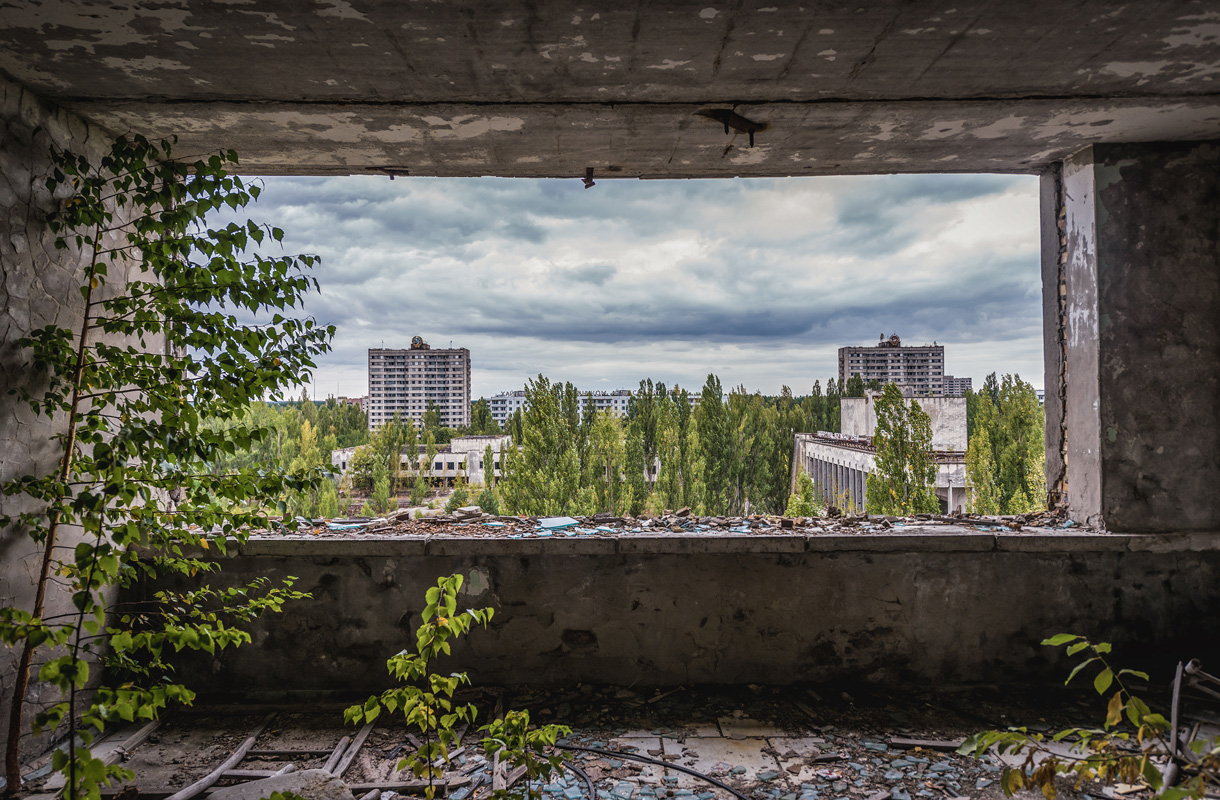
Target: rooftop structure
408,381
839,462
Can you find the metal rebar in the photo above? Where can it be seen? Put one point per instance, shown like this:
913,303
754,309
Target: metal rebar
659,763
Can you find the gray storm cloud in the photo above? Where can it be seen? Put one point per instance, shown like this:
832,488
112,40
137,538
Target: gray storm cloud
758,280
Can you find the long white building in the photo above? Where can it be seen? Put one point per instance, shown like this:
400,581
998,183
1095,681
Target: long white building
406,381
503,405
839,463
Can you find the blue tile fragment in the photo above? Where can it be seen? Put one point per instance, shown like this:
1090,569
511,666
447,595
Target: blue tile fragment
557,523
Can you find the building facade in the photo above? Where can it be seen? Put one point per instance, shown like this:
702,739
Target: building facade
918,371
503,405
957,387
839,463
464,456
407,381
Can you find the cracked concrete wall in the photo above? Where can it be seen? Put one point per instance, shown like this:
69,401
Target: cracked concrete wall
1142,331
38,287
964,606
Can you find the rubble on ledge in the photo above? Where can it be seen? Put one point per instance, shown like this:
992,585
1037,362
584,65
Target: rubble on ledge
473,522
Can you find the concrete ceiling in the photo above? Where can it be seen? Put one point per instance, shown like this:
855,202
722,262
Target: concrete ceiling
533,89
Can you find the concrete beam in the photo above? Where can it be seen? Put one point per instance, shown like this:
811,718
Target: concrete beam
526,89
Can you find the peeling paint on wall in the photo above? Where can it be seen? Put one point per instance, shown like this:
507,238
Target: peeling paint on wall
469,126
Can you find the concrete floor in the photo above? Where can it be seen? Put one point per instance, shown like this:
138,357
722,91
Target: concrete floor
790,743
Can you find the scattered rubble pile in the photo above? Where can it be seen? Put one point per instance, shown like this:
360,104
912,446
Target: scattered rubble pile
471,521
748,743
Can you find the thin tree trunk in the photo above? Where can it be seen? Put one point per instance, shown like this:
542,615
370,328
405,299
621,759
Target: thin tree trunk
21,683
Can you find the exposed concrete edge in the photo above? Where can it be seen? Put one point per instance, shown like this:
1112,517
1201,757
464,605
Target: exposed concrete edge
914,540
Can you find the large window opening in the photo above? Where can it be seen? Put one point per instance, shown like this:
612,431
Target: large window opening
771,285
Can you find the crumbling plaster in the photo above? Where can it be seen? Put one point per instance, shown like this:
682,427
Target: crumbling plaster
451,89
1142,328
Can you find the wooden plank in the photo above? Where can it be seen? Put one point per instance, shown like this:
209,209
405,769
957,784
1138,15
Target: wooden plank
346,761
199,786
110,751
248,774
337,754
946,745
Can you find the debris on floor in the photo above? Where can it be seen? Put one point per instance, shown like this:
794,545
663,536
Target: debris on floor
697,743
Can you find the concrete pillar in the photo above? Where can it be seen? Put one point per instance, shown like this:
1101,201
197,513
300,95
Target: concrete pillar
1137,326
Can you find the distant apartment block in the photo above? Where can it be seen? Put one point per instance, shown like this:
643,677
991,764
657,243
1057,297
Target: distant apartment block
407,381
957,387
918,371
505,404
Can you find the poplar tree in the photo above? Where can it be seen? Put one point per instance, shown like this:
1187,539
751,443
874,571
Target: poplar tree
607,453
715,446
903,481
1008,442
981,475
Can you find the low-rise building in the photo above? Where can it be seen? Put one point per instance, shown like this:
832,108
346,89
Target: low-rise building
505,404
464,456
839,463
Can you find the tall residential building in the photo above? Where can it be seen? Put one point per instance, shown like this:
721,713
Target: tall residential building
957,387
406,381
918,371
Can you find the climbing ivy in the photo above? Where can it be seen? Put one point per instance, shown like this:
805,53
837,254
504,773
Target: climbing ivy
157,351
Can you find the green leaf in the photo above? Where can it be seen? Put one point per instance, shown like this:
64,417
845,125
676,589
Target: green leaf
1060,638
1103,680
1078,668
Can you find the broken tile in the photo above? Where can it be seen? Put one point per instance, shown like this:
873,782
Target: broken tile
746,728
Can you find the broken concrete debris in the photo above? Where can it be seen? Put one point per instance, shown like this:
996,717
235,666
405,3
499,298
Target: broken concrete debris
473,522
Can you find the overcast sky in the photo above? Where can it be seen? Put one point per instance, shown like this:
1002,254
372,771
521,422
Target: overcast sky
759,281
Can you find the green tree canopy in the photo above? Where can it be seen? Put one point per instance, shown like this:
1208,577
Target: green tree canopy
904,479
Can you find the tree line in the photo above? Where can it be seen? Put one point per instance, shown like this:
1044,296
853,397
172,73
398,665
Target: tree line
1006,459
301,435
721,455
